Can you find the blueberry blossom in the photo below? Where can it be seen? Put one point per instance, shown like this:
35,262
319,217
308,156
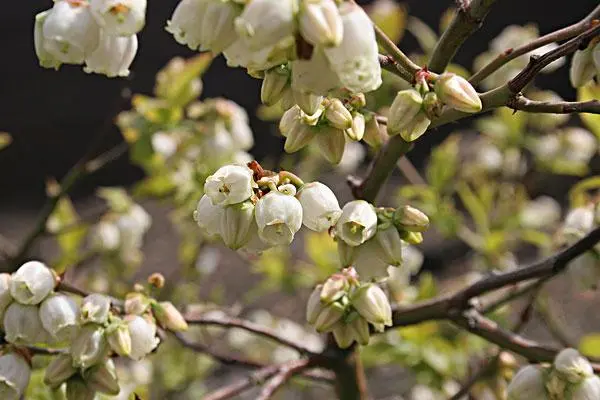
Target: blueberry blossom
230,184
15,372
113,56
320,207
357,224
279,217
120,17
32,283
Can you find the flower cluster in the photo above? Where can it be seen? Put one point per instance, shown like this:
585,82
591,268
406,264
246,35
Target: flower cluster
98,33
35,314
585,64
412,110
570,377
345,307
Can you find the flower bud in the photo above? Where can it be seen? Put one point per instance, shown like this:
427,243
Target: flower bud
416,128
208,216
274,84
236,221
308,102
582,67
22,325
333,288
372,304
230,184
5,297
118,338
95,308
69,33
360,330
332,143
328,317
290,119
346,253
46,59
391,245
357,224
103,378
113,56
266,23
357,130
527,384
78,390
373,135
15,372
456,92
321,23
136,303
120,17
588,389
411,219
59,315
143,337
298,137
572,366
343,335
320,207
314,305
370,263
169,317
89,346
356,60
32,283
404,109
337,115
278,217
432,105
59,370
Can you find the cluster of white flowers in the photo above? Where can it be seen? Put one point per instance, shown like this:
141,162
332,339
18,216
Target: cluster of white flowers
570,377
573,145
345,307
98,33
510,38
301,46
90,331
585,64
411,111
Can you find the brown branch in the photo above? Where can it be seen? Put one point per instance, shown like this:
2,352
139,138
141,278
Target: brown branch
522,103
285,373
240,386
230,322
510,54
226,359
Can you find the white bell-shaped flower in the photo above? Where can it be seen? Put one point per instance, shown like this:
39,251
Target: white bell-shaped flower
404,109
578,222
265,23
588,389
356,60
46,59
572,366
321,23
314,75
15,372
527,384
143,336
582,67
89,346
368,261
230,184
240,55
23,326
372,304
70,33
5,296
279,217
236,223
60,316
113,56
357,224
32,283
95,308
120,17
320,207
208,216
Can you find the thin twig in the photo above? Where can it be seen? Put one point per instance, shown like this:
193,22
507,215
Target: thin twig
240,386
510,54
409,171
522,103
405,67
285,373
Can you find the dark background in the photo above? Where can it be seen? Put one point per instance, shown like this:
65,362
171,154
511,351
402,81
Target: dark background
53,116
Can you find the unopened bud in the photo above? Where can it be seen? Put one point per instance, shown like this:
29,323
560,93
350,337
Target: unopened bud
411,219
587,390
157,280
59,370
372,304
320,207
357,130
298,137
432,105
136,303
89,346
169,317
343,335
528,384
572,366
15,372
374,137
208,216
404,109
22,325
78,390
330,315
332,143
289,119
236,221
118,338
274,84
582,67
60,316
103,378
314,305
391,245
95,308
338,115
412,237
321,23
416,128
456,92
333,288
32,283
308,102
143,336
357,224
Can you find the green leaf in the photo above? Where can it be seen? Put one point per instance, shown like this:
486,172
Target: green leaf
591,91
578,195
117,198
474,206
175,82
427,286
426,37
589,345
443,163
159,185
5,139
390,16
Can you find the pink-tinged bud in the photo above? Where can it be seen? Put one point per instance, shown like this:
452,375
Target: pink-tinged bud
411,219
95,308
103,378
572,366
330,315
404,109
331,142
333,288
118,338
320,207
357,224
89,346
456,92
59,370
357,130
583,68
321,23
372,304
136,303
78,390
15,372
236,221
32,283
169,317
337,115
528,384
273,87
